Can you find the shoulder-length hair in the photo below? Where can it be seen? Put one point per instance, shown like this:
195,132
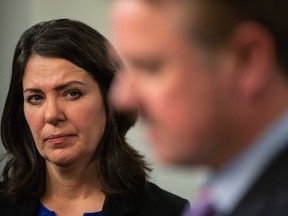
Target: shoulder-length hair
121,169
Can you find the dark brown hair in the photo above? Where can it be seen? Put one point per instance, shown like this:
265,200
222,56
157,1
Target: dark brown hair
121,169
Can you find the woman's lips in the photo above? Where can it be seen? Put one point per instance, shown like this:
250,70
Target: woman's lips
59,138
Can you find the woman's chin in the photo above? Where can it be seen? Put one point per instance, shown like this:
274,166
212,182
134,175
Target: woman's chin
61,160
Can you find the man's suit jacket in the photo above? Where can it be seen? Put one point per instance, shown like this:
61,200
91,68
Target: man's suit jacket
269,194
152,202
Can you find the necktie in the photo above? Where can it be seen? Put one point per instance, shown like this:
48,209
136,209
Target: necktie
201,209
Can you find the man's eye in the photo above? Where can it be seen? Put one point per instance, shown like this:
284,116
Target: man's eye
152,67
34,99
73,94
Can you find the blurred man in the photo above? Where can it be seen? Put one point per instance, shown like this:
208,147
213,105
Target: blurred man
210,79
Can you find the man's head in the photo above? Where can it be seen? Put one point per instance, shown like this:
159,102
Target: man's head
199,71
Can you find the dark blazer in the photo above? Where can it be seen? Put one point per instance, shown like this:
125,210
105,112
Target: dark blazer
269,195
152,202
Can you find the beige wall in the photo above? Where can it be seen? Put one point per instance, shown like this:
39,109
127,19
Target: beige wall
17,15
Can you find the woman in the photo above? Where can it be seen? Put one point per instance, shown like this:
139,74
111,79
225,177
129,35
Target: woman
67,149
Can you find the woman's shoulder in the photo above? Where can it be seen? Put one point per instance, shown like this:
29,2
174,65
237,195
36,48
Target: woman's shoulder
156,201
152,201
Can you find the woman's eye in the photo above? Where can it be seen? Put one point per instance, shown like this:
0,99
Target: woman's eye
73,94
34,99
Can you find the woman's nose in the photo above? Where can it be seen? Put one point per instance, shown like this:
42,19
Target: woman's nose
54,113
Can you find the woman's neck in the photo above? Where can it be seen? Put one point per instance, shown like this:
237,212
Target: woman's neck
72,189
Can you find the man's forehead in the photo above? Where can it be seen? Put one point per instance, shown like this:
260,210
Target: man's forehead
141,15
139,32
143,9
135,13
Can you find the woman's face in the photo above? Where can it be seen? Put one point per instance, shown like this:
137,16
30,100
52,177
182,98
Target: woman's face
64,110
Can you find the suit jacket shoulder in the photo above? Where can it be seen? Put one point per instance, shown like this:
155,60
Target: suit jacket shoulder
269,194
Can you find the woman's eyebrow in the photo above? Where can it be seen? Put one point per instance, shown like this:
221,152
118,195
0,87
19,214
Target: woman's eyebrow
57,88
67,84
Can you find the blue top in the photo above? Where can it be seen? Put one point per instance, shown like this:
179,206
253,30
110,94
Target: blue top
43,211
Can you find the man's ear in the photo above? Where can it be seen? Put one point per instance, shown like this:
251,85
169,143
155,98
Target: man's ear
254,50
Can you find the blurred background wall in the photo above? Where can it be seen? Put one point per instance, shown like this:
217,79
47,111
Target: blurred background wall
18,15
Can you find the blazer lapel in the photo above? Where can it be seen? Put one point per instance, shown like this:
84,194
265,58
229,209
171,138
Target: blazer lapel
268,194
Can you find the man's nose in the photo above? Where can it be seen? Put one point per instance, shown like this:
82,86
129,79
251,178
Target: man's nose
123,93
54,112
